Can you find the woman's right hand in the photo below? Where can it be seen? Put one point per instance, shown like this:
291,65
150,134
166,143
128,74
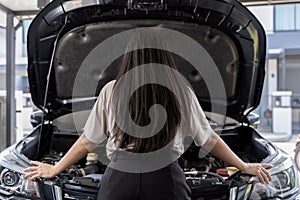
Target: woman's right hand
75,153
40,169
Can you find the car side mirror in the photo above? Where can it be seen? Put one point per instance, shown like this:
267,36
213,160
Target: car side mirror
253,119
36,118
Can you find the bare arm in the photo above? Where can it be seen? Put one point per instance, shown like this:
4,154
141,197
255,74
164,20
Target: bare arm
75,153
221,150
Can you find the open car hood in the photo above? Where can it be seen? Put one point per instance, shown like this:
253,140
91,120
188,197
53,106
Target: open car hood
65,32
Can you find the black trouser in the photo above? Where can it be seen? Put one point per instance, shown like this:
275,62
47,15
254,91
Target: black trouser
167,183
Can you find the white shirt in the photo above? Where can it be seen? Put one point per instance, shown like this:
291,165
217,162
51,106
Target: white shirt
100,123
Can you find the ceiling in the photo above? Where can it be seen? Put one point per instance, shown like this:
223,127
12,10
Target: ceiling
266,2
33,5
20,5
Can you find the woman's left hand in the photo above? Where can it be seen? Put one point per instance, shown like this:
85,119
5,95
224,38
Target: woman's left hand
259,170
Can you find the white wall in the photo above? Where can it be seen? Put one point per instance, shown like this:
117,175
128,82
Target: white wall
2,43
2,81
2,18
265,15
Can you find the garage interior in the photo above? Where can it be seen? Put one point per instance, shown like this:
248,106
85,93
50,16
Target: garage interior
280,98
18,14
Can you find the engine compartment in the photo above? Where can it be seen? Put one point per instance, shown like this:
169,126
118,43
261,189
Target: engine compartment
208,176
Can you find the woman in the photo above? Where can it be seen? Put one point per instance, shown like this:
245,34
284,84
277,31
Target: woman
132,122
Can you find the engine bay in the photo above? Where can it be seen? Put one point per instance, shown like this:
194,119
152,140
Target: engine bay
207,176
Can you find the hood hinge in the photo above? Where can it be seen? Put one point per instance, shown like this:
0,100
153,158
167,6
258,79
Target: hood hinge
244,121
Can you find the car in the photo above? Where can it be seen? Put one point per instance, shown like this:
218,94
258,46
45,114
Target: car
253,119
66,74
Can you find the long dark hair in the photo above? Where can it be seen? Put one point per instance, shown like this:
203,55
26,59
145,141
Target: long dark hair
149,94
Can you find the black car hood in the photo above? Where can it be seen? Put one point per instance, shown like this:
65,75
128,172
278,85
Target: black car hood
65,32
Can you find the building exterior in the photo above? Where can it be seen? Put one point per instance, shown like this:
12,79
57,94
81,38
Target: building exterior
282,24
22,96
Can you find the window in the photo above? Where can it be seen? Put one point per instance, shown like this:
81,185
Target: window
2,42
287,17
25,27
2,79
298,16
2,35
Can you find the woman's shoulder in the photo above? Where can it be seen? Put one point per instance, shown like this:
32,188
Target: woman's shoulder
108,86
106,92
110,83
106,89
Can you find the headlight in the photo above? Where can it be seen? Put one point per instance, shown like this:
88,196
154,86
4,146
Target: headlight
283,181
15,183
10,178
283,184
